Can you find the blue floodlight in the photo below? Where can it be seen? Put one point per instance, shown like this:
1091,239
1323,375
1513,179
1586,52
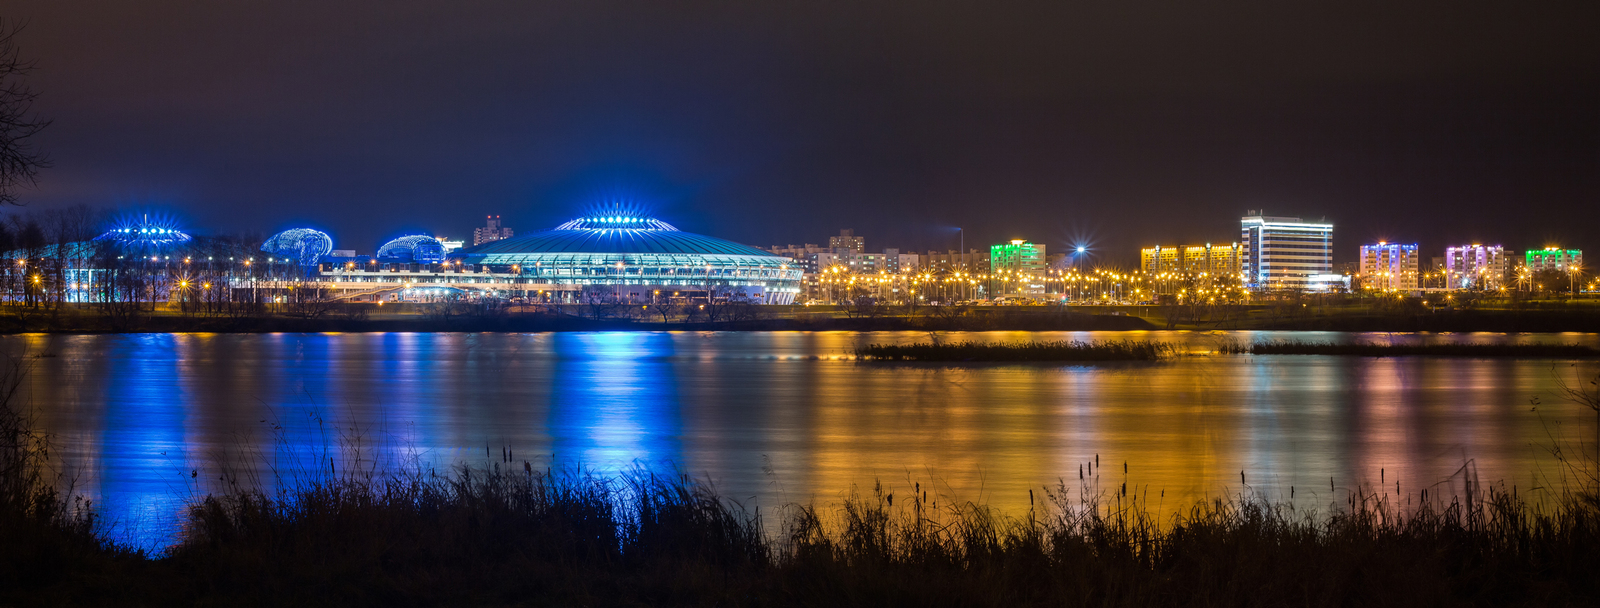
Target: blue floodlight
144,233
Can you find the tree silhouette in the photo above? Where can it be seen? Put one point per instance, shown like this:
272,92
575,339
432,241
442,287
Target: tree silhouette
20,161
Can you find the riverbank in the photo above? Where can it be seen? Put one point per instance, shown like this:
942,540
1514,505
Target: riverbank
1124,350
1367,349
1547,318
421,319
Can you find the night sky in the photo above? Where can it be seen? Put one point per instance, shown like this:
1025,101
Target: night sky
1118,124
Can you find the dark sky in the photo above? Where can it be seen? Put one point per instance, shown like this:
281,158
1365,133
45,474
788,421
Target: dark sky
1120,123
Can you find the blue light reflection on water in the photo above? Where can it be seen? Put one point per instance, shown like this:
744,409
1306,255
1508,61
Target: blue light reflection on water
617,403
774,416
143,435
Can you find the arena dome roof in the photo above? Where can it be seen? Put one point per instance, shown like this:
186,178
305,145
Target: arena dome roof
416,248
303,244
613,235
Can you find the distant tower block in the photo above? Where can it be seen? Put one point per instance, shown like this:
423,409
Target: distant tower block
491,232
847,239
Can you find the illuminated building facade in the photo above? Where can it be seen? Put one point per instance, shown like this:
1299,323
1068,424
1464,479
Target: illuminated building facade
303,244
1285,253
1192,259
412,249
1175,270
494,231
1476,266
847,240
1017,267
971,262
613,258
1390,266
1552,258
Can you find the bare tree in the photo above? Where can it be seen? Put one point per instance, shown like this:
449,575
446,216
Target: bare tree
20,161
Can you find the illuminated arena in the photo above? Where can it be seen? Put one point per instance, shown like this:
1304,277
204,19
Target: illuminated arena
606,258
414,248
303,244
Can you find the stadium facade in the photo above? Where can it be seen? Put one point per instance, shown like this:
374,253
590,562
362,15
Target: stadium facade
606,258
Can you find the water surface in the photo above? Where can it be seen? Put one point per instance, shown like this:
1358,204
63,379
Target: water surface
148,421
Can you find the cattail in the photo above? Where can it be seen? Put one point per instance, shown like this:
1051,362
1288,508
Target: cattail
1030,497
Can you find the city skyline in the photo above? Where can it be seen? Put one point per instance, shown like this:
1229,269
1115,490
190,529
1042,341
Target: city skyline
1060,125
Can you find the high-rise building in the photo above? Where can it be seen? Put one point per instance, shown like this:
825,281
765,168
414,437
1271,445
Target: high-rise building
971,262
494,231
1284,253
1205,259
1552,258
1476,266
1017,267
847,239
1171,270
1159,259
1390,266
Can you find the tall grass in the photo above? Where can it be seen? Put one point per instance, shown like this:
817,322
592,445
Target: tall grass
1122,350
500,536
508,534
1368,349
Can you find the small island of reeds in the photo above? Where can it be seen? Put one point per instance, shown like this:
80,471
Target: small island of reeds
1370,349
1120,350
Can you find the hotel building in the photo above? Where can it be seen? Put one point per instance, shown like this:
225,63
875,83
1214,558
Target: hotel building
1476,266
1389,266
1168,268
1285,253
1551,258
1017,267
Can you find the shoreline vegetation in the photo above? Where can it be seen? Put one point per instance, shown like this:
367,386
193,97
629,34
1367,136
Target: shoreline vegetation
1579,316
1368,349
1130,350
508,533
1114,350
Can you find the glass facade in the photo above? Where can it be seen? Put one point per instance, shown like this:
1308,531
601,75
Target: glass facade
1283,253
612,258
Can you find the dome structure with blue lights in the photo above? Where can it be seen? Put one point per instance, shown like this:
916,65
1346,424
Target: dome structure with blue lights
415,248
639,254
303,244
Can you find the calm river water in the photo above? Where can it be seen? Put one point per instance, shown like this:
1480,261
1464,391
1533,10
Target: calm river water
146,421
